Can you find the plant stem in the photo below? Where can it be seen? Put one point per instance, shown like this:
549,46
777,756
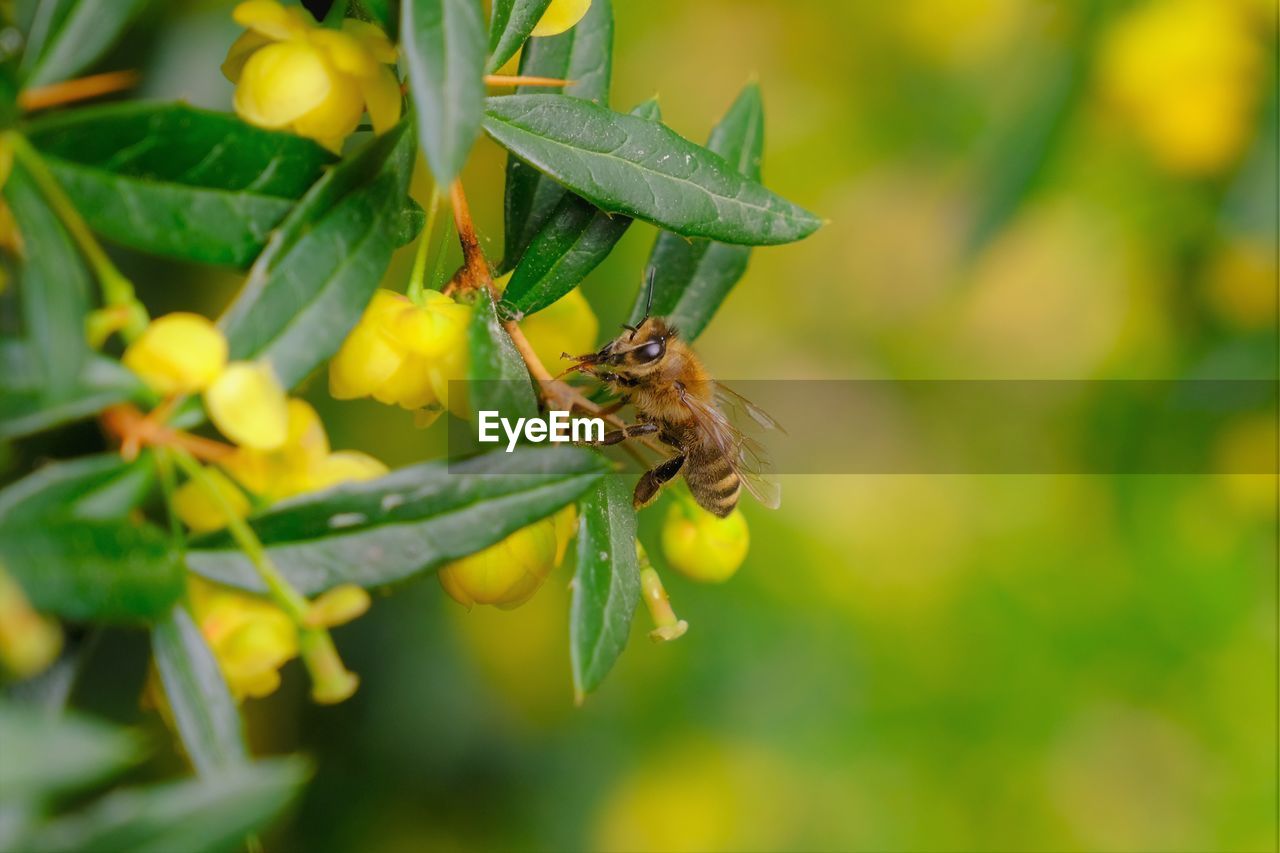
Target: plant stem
116,289
289,599
417,278
336,13
475,272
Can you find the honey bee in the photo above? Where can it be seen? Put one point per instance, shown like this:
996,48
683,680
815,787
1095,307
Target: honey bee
678,402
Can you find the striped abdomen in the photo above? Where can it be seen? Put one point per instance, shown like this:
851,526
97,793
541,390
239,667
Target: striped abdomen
712,480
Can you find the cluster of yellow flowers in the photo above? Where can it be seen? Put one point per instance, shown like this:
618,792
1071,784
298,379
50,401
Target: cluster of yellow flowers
282,450
1185,75
292,74
404,353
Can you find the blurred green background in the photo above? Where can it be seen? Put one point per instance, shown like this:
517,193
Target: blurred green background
1016,189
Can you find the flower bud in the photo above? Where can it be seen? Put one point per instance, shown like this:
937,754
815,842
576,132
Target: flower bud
250,637
248,406
560,16
200,511
343,466
338,606
701,546
178,353
507,573
29,643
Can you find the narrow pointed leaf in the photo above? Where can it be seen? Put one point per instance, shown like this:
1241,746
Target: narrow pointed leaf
54,288
584,56
320,268
67,36
204,712
410,521
571,243
691,278
499,379
102,486
47,754
173,180
624,164
509,28
28,405
606,588
443,45
110,571
213,814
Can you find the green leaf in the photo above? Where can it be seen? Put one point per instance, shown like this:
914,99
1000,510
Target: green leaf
213,814
410,222
47,754
177,181
410,521
320,268
499,380
54,288
68,36
509,28
443,45
93,570
606,587
584,55
384,13
101,487
206,716
27,405
572,242
625,164
691,278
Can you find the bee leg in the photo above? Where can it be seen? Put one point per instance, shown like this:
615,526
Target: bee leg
615,405
617,436
654,479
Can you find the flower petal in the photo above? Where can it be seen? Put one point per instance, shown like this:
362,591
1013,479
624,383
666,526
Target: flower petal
248,406
382,97
272,19
282,82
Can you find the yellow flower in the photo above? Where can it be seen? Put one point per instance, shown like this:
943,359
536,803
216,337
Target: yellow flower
178,353
290,73
569,325
403,354
28,641
1185,74
248,406
199,511
303,463
509,572
250,637
338,606
560,16
701,546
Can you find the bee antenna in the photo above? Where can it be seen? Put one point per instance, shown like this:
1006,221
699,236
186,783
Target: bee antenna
648,299
632,329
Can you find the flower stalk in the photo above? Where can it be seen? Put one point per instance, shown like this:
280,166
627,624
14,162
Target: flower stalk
117,290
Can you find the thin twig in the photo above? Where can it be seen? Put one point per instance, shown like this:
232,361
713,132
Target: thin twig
523,80
70,91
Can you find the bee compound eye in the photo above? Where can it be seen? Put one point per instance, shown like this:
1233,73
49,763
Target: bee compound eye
649,351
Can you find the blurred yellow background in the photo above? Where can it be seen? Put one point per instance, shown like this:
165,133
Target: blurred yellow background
1016,189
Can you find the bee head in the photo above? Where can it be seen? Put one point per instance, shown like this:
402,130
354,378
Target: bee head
635,352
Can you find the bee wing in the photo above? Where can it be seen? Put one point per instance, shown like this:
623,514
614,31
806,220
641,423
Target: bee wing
748,456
